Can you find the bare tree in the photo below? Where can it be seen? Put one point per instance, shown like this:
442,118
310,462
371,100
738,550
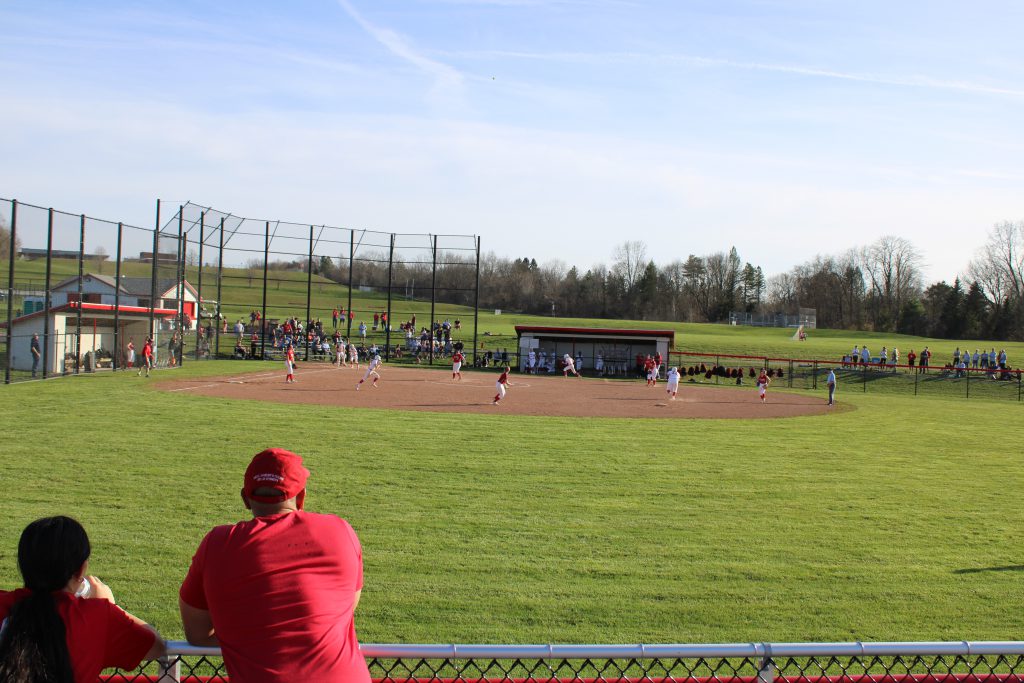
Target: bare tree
5,241
999,267
630,261
893,267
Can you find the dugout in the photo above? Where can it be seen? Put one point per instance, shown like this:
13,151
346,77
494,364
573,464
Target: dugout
607,351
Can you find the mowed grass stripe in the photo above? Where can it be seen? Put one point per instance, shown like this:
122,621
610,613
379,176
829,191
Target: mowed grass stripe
889,521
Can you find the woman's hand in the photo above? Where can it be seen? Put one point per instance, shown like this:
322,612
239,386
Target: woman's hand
100,590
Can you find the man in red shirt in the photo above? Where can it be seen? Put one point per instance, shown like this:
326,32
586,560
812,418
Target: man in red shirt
147,357
278,592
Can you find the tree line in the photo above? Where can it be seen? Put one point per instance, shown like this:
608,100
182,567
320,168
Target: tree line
877,287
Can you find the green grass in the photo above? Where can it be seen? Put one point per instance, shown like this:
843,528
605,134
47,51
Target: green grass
894,520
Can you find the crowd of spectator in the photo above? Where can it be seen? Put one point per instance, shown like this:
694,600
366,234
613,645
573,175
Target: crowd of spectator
980,363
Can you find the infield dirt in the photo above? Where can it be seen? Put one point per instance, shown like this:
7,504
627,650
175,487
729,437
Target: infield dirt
433,390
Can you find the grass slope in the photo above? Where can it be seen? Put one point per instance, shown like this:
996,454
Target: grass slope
894,520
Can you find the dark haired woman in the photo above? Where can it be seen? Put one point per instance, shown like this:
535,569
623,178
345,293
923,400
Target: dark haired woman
63,626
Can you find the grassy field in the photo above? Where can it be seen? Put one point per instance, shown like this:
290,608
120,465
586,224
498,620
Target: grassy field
893,520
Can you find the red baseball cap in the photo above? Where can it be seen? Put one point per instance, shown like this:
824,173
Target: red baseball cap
275,468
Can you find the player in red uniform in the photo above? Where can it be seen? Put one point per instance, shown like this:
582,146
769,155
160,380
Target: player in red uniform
457,360
289,364
501,384
762,384
649,369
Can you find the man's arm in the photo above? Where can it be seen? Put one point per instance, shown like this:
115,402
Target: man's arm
198,625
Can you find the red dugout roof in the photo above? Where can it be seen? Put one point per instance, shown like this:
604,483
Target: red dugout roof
597,332
98,308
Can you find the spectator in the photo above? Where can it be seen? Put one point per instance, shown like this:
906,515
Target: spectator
278,592
63,626
911,357
239,352
34,347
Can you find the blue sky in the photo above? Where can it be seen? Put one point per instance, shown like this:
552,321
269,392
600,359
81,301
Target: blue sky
554,130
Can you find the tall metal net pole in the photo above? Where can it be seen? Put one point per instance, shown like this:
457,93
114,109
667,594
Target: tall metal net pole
220,272
433,283
46,293
476,300
387,323
178,347
153,275
263,320
10,291
309,285
117,300
351,257
199,283
81,277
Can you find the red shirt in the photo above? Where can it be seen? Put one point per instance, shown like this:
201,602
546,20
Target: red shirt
147,350
290,355
281,593
458,358
503,379
99,634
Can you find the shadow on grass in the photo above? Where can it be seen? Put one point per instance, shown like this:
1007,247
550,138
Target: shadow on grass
978,570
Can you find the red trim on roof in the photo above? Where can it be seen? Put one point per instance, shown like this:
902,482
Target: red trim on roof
71,305
595,331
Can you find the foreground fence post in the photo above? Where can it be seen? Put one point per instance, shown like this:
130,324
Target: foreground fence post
170,669
220,278
766,671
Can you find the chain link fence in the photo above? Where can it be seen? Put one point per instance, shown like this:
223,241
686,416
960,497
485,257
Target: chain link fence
993,382
78,294
952,662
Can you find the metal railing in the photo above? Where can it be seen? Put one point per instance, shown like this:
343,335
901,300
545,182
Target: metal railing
910,662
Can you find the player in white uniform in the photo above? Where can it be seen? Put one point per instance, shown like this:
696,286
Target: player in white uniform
339,355
371,370
673,382
533,361
353,355
599,364
568,365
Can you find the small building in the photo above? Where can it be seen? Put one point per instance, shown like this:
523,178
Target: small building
613,350
129,292
95,347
